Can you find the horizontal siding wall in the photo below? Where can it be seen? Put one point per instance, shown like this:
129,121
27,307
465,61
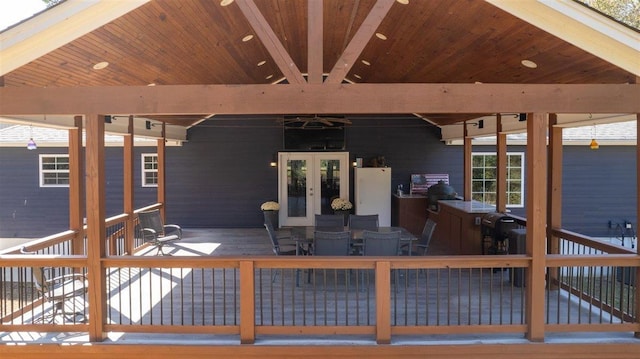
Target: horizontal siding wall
28,210
221,175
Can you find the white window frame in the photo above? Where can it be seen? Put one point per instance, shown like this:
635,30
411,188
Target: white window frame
42,171
509,180
144,170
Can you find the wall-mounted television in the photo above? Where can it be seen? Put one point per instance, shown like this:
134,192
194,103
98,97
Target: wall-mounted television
314,138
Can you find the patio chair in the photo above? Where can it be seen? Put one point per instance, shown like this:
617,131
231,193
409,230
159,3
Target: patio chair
67,293
422,245
155,232
363,221
381,244
286,248
331,243
329,221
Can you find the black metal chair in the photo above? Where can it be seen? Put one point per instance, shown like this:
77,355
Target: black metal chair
329,221
331,243
286,248
66,292
155,232
363,221
381,244
421,247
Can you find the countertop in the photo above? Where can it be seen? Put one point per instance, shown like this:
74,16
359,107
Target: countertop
469,206
406,195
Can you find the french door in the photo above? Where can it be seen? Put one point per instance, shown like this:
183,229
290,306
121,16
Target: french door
307,182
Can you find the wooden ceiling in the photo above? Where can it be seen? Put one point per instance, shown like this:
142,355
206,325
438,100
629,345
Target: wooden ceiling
172,42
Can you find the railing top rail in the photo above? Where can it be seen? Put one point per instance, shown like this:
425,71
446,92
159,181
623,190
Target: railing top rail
42,243
563,260
42,260
591,242
148,208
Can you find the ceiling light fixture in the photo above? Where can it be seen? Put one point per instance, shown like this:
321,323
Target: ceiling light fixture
366,62
403,2
528,63
268,77
31,145
357,76
381,36
100,65
262,63
226,2
247,38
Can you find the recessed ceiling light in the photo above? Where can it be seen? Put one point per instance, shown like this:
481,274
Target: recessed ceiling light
262,63
268,77
152,84
247,38
478,82
366,62
357,76
403,2
528,63
381,36
100,65
226,2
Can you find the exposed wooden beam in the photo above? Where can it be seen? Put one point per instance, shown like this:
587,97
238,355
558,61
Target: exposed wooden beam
270,41
359,41
323,98
315,42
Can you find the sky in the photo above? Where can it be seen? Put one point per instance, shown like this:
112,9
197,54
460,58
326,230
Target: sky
13,11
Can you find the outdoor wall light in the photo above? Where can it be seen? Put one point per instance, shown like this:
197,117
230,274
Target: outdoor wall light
274,161
522,117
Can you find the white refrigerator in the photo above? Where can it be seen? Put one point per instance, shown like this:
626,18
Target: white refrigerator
373,192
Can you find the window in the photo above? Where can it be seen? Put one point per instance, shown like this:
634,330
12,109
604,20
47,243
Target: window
149,170
484,178
54,170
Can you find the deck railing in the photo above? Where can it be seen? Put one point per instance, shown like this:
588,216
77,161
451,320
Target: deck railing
590,286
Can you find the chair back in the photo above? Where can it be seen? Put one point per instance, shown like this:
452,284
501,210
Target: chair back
427,233
363,221
38,273
152,219
330,221
381,243
331,243
274,238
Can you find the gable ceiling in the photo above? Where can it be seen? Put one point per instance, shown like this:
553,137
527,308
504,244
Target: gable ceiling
202,42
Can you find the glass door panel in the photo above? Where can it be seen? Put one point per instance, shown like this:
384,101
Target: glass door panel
308,182
296,188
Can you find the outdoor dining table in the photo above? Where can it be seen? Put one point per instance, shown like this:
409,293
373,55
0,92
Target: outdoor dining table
303,235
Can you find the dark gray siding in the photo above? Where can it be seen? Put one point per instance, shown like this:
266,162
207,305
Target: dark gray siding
28,210
221,175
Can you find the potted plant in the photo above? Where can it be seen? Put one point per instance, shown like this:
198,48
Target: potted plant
271,209
342,206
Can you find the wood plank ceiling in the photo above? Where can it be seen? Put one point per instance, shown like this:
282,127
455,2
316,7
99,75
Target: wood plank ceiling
170,42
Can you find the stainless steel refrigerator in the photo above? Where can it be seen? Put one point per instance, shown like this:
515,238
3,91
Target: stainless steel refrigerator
373,192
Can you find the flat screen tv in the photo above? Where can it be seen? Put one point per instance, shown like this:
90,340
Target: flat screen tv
314,138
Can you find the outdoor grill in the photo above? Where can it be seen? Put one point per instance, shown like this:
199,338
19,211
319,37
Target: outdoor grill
495,230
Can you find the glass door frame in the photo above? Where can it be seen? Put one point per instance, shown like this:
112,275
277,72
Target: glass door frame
313,179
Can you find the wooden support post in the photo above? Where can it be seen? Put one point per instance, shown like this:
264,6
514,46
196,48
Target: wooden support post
96,231
501,153
536,178
247,303
161,173
554,193
466,163
383,302
129,187
76,186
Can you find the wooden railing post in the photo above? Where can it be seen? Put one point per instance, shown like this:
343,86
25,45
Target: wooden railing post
129,188
76,186
383,302
247,303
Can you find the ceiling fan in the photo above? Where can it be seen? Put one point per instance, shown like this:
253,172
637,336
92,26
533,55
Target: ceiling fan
314,121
